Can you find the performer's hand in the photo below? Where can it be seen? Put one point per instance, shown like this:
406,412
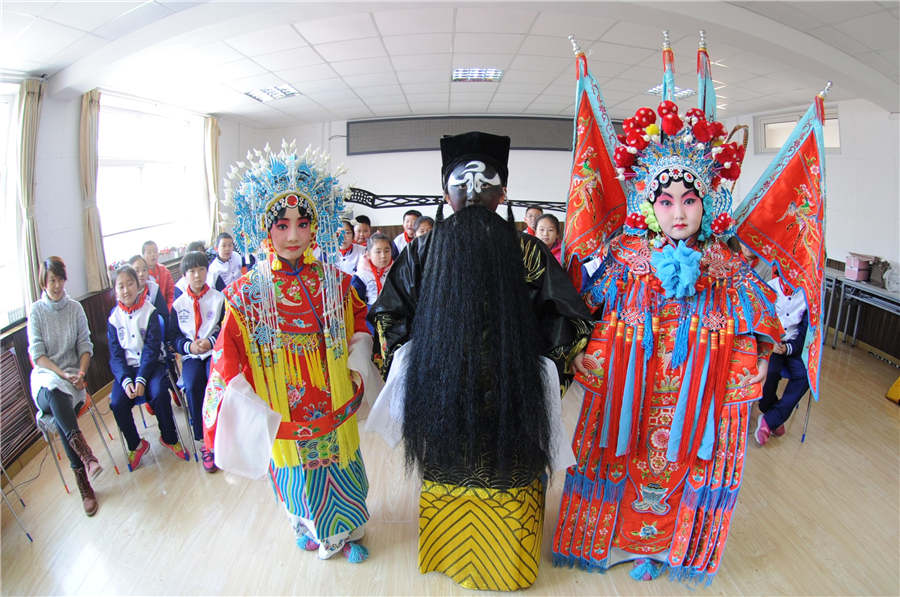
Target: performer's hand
763,370
578,364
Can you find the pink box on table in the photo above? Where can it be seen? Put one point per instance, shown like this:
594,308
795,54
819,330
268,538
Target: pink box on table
858,274
859,261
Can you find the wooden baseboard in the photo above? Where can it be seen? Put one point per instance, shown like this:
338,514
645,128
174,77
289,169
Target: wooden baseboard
35,449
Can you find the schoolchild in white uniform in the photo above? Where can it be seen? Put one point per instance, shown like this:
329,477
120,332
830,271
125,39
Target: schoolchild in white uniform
409,231
350,252
135,334
194,324
227,266
373,268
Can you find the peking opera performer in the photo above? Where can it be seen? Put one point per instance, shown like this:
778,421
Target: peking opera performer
683,327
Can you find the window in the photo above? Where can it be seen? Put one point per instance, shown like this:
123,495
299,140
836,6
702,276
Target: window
12,291
774,129
150,182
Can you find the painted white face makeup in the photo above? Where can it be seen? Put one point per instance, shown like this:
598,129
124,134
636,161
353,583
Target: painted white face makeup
472,176
679,211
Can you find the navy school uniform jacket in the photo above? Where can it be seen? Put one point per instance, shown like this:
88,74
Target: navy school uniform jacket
135,342
183,329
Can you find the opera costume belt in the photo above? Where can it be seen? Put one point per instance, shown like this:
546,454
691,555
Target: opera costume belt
294,430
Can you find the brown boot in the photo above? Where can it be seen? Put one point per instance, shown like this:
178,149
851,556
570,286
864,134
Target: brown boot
81,447
88,499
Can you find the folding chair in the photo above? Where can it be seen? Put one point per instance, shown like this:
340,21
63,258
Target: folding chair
8,505
185,409
47,426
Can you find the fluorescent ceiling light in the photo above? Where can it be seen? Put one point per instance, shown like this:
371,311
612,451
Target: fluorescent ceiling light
679,92
474,75
272,93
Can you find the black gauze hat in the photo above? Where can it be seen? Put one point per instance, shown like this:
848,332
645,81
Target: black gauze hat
490,149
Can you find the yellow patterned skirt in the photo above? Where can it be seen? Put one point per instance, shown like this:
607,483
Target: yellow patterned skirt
484,539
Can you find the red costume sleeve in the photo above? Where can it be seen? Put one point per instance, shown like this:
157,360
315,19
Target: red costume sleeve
229,358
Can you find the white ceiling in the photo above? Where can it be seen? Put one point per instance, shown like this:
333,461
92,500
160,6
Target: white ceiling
378,59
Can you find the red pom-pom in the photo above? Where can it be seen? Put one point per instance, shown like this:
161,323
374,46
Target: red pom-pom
721,223
636,140
621,138
701,131
629,125
695,113
671,123
622,157
667,107
644,117
717,130
636,220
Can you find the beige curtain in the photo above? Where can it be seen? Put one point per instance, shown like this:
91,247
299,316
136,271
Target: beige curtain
211,170
28,113
94,258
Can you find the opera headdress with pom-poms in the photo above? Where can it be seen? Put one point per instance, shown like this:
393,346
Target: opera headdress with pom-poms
660,146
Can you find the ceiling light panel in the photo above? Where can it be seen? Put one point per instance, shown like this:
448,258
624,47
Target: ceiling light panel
679,92
476,75
268,94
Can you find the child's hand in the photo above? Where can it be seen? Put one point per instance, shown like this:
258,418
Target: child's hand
780,348
205,345
138,390
129,391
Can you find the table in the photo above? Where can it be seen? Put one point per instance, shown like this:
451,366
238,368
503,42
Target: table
861,293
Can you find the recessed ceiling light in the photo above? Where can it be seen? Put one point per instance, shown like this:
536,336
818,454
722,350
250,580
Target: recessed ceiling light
679,92
475,75
272,93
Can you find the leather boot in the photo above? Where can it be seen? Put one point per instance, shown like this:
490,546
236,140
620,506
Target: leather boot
88,499
81,447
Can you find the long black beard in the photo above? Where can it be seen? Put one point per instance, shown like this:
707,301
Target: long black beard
475,412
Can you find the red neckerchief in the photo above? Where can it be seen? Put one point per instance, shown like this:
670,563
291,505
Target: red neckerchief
198,318
345,251
408,239
379,272
137,304
529,230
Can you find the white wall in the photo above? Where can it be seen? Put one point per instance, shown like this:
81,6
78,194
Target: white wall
862,209
57,188
533,175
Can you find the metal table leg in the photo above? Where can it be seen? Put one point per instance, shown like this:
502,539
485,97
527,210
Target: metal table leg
828,307
837,321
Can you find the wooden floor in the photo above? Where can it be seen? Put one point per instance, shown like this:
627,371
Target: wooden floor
819,518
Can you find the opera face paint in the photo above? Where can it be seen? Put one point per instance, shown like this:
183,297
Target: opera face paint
474,183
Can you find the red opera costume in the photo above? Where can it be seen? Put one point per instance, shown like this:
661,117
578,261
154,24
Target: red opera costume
683,326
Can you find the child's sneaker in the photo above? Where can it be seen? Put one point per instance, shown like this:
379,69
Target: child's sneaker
149,409
176,449
134,457
209,462
762,431
779,431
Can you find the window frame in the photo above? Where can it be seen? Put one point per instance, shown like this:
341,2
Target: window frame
760,122
111,101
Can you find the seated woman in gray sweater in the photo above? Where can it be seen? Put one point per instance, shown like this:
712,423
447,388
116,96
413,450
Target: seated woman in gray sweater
59,344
